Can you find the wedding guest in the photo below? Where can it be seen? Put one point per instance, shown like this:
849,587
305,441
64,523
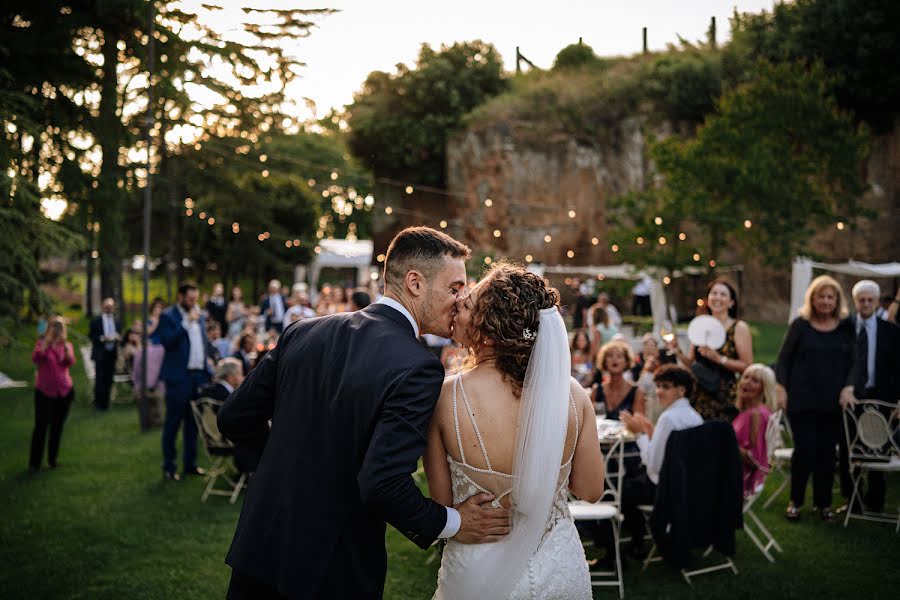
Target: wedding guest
216,307
815,373
131,348
603,329
236,313
53,392
616,394
182,333
582,365
155,310
650,358
674,387
755,399
273,307
217,347
299,305
640,297
246,351
105,333
615,317
877,378
716,370
359,300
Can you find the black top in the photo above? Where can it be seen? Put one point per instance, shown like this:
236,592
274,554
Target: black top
814,366
350,397
627,402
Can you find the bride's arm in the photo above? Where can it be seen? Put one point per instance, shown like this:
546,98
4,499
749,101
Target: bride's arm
586,479
435,460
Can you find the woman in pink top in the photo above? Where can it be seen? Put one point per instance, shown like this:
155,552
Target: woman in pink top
755,394
53,392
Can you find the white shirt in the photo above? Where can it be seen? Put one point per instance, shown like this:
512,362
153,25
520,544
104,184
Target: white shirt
675,418
615,317
197,354
109,328
226,385
642,287
871,325
453,519
276,303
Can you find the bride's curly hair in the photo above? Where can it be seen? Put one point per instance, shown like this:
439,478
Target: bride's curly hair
508,305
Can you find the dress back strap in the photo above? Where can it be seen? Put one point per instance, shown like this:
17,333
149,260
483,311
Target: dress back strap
462,453
487,461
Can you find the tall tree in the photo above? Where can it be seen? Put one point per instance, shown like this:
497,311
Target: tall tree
775,162
400,122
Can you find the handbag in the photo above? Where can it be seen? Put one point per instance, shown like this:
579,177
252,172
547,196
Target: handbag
709,378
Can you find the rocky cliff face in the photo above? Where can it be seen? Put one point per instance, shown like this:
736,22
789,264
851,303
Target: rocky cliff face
534,191
559,189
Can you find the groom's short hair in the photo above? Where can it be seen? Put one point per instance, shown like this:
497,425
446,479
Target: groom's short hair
421,249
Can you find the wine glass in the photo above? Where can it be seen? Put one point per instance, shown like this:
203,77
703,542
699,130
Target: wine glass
667,333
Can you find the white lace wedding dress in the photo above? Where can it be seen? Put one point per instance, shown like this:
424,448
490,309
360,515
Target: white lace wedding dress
557,569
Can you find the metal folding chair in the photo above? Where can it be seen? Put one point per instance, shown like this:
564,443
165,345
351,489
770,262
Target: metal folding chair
219,450
607,508
774,443
873,442
779,455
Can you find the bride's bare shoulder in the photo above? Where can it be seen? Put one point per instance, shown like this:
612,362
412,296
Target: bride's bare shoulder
579,394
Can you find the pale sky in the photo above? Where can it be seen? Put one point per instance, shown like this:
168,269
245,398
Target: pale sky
369,35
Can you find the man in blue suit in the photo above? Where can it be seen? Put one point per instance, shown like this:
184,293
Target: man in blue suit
182,331
274,306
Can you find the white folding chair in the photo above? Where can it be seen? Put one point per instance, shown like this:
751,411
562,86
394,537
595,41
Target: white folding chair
607,508
774,442
873,443
219,451
780,455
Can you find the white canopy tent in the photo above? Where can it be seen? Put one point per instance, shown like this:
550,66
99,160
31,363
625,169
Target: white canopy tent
623,271
802,275
342,254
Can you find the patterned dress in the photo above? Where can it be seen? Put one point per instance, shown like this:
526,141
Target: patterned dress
719,405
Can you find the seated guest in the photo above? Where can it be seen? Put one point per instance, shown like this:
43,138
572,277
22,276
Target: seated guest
217,347
604,330
755,396
299,305
246,352
228,376
674,387
617,394
648,362
582,365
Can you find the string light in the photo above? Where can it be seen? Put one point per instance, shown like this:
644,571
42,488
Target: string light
528,258
487,260
547,238
334,175
595,241
265,173
682,236
667,280
748,224
263,158
288,244
236,227
311,182
840,225
380,258
388,210
696,257
317,249
640,241
712,263
188,203
615,248
409,189
488,202
700,302
211,220
571,214
600,276
570,254
443,224
662,240
189,212
202,215
297,242
497,233
658,220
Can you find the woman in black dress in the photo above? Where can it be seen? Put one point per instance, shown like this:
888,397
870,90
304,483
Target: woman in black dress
815,375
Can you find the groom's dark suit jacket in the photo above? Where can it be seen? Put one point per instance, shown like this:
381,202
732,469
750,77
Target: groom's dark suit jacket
350,397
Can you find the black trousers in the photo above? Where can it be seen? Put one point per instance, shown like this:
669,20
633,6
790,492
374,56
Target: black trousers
104,369
815,438
49,413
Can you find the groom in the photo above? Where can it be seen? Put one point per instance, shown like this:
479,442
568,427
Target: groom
350,397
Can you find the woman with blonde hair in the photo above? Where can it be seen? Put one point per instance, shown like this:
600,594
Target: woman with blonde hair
815,374
617,393
53,391
755,400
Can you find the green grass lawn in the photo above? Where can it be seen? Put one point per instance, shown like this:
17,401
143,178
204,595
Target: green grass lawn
104,525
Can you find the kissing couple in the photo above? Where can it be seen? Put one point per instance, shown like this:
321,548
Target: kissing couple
355,401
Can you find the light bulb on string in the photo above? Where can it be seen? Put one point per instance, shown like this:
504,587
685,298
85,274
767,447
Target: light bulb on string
497,233
488,202
528,258
547,238
443,224
409,189
595,241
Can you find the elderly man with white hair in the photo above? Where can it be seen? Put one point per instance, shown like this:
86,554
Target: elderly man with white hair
273,307
877,371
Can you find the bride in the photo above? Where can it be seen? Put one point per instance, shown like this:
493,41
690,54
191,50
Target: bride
515,425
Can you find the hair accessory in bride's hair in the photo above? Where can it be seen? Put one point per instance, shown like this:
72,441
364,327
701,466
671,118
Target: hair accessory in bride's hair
528,334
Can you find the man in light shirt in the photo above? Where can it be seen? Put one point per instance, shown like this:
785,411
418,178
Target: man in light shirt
105,333
273,307
674,385
182,332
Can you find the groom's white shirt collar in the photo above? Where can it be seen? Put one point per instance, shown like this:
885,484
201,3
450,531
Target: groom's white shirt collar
402,310
454,521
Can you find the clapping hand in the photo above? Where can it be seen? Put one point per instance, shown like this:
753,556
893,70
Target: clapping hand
636,423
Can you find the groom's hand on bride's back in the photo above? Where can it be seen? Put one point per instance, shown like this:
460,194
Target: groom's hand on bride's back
480,522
